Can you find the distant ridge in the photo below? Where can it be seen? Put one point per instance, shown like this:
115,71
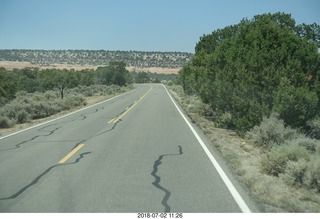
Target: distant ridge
137,59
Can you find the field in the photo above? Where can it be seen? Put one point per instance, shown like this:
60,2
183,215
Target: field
9,65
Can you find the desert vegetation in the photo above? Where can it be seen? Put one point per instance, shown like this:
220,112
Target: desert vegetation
254,89
97,57
278,165
30,94
249,70
146,77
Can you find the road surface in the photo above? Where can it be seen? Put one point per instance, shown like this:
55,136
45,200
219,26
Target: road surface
133,153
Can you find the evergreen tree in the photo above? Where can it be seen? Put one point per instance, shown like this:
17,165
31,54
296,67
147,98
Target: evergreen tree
259,66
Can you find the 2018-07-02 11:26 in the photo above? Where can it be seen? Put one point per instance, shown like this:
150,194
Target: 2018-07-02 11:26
159,215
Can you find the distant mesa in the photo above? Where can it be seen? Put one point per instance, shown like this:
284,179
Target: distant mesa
159,62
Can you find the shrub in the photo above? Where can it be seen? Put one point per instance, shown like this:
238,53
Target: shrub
271,131
22,117
86,91
312,145
312,175
313,127
296,105
275,161
39,105
112,89
55,107
5,122
39,110
295,172
51,95
21,94
73,100
225,121
37,97
11,109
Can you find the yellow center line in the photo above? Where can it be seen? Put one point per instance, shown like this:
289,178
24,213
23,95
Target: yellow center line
71,153
111,120
116,119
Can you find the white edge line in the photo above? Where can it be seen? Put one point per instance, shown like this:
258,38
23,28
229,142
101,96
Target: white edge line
235,194
26,129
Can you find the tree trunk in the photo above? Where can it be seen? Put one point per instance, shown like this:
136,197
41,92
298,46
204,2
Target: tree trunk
62,91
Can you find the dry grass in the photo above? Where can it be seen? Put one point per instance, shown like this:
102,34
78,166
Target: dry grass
9,65
271,193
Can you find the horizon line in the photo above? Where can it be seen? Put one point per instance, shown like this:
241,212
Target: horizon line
146,51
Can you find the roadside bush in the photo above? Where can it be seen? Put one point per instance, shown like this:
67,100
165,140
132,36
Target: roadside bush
5,122
38,105
37,97
271,131
38,110
43,109
21,94
312,145
96,89
107,91
312,175
294,173
225,121
275,161
296,105
205,110
313,127
86,91
73,100
22,117
51,95
28,106
12,109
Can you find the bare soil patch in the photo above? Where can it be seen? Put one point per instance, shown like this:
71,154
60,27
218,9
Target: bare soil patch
9,65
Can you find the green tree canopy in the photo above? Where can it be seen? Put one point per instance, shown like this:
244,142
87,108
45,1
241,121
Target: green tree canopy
114,73
35,79
142,77
241,70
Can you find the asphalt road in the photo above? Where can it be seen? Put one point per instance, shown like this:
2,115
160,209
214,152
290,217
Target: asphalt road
133,153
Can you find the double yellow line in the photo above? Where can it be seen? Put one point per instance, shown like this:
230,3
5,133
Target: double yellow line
117,118
114,120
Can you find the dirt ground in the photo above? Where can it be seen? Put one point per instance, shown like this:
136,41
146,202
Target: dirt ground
9,65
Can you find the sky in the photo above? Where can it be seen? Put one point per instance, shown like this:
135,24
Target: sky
141,25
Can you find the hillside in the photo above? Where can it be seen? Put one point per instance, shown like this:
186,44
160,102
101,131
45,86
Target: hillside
136,59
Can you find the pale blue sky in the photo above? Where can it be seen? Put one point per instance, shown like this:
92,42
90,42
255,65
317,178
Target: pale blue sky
144,25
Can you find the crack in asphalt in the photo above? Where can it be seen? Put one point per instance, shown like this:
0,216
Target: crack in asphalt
119,114
106,131
156,183
50,132
84,116
36,180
